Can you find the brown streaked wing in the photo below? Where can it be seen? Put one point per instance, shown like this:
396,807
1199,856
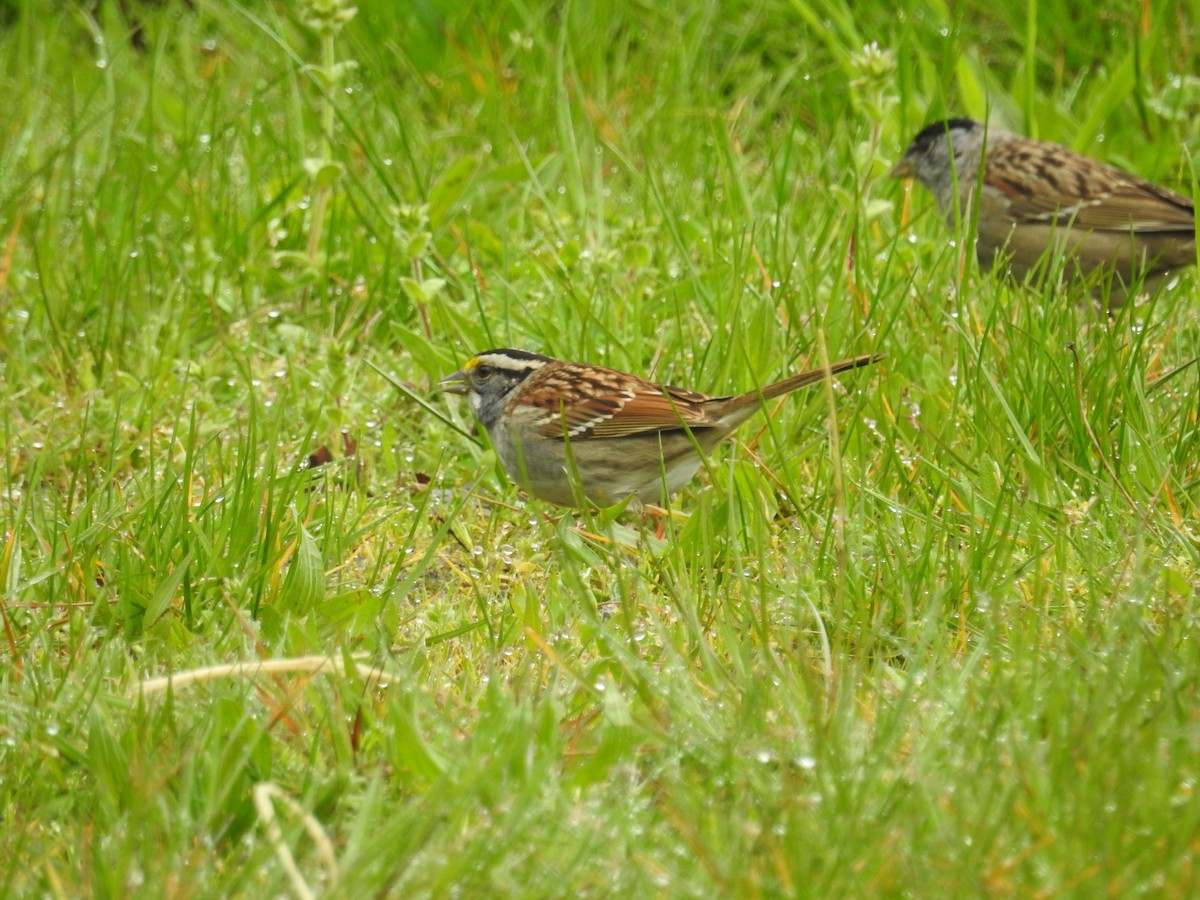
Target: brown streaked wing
1138,206
618,405
573,417
654,408
1073,189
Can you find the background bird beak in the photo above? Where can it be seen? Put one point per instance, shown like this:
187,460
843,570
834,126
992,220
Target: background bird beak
454,384
906,168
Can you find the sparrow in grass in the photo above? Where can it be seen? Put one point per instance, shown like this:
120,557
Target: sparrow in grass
1035,198
575,433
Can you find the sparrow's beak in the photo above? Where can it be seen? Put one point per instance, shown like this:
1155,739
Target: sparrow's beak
454,384
906,168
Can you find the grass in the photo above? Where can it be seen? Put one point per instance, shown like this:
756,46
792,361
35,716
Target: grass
956,657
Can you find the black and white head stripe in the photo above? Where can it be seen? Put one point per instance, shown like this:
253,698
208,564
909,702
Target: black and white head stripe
512,362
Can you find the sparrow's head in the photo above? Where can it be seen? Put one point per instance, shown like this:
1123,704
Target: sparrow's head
940,150
487,379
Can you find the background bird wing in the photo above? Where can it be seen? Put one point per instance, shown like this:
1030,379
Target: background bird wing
1087,194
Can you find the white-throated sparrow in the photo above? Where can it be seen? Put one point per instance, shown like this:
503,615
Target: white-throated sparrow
571,433
1035,195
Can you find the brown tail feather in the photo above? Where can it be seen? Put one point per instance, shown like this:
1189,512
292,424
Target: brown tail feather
799,380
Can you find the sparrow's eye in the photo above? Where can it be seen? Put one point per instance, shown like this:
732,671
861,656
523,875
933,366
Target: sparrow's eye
483,373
